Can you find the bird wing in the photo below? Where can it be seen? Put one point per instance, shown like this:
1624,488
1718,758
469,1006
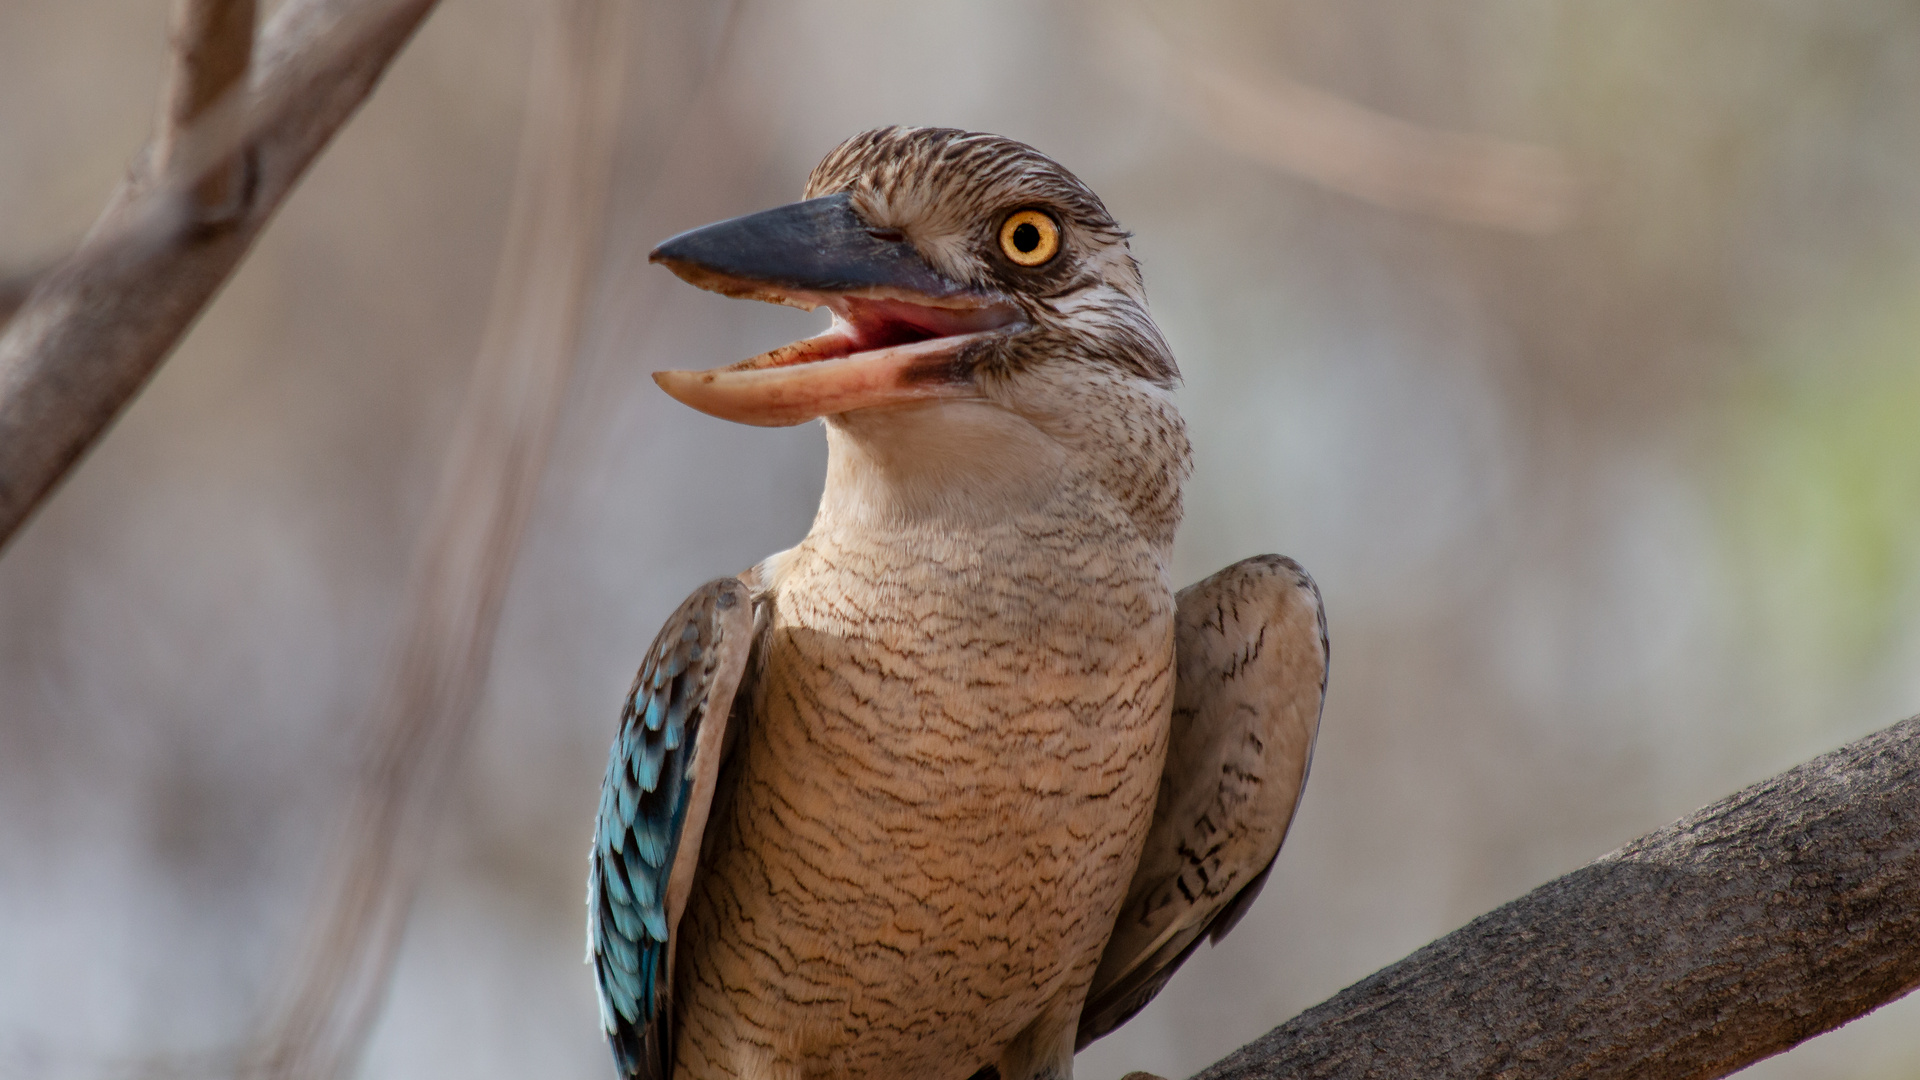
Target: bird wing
1251,648
654,804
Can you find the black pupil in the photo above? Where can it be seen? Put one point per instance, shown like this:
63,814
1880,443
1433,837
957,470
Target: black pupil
1026,236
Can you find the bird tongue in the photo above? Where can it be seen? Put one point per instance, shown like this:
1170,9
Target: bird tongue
863,324
878,352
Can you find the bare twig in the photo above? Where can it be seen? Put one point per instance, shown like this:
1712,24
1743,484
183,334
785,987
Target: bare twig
1346,147
93,329
1759,922
467,551
1354,150
212,46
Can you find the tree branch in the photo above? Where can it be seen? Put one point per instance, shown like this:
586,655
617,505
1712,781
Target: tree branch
1761,921
1343,146
466,552
92,330
212,46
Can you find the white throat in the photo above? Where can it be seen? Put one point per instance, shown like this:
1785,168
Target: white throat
958,463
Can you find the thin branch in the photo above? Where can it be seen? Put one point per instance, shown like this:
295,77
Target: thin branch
467,550
1731,935
1343,146
92,330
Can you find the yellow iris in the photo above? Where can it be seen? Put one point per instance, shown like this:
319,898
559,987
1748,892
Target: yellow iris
1029,238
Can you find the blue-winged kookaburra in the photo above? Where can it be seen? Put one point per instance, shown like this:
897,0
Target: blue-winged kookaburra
951,787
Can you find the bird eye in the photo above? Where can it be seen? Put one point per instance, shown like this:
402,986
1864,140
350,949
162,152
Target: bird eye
1029,238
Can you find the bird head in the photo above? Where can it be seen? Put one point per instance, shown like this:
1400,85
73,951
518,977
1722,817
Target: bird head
990,341
953,263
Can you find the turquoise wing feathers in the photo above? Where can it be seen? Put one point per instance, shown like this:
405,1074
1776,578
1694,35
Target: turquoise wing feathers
654,804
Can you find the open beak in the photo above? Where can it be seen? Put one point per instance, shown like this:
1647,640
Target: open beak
902,332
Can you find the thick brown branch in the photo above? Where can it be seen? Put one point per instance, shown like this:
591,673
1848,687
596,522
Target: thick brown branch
92,331
1731,935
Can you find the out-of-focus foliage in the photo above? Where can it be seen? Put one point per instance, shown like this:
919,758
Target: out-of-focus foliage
1825,514
1610,520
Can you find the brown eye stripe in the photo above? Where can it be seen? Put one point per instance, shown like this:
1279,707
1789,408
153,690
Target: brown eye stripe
1029,238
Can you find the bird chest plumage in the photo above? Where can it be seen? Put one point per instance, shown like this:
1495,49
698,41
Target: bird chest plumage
958,728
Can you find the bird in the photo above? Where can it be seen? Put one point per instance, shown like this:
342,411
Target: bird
951,787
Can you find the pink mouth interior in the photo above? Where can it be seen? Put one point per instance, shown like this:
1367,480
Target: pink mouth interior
870,324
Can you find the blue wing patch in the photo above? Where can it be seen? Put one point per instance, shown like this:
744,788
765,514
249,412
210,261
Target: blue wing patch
658,782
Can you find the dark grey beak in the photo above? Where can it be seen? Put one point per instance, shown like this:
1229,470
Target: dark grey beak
799,253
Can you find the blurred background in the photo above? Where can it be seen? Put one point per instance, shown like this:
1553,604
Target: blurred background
1575,348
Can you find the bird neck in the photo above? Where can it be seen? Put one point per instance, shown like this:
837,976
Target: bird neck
958,464
965,465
